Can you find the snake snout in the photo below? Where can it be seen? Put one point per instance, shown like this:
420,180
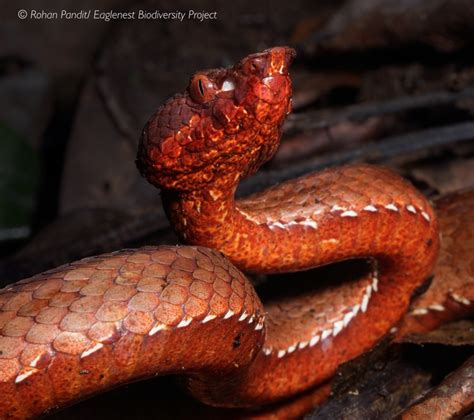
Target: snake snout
271,62
280,60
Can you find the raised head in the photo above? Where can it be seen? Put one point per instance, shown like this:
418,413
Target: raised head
225,124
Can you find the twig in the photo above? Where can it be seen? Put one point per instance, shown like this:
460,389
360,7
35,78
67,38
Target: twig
380,151
321,119
451,399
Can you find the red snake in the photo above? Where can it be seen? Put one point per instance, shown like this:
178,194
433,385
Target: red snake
86,327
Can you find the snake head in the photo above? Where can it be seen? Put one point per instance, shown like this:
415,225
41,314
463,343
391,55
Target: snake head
226,124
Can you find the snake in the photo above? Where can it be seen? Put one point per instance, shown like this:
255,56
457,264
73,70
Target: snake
190,311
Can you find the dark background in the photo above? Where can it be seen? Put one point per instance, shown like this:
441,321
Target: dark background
382,81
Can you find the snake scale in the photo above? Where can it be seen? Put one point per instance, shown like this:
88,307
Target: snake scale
80,329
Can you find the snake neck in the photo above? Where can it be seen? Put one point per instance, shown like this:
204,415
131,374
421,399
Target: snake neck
213,218
207,216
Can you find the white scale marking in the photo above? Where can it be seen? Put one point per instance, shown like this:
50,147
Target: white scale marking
391,207
35,361
277,224
93,349
314,340
371,208
228,314
365,302
157,328
281,353
291,349
436,307
25,375
349,213
338,326
337,208
259,325
375,282
345,213
251,319
208,318
419,311
310,223
247,216
303,344
460,299
184,323
347,318
355,309
267,351
243,316
325,334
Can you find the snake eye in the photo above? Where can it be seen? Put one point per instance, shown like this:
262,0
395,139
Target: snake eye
254,65
202,89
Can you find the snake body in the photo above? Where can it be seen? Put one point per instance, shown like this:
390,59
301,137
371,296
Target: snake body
83,328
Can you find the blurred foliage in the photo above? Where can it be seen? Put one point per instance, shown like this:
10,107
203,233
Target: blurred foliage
19,175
